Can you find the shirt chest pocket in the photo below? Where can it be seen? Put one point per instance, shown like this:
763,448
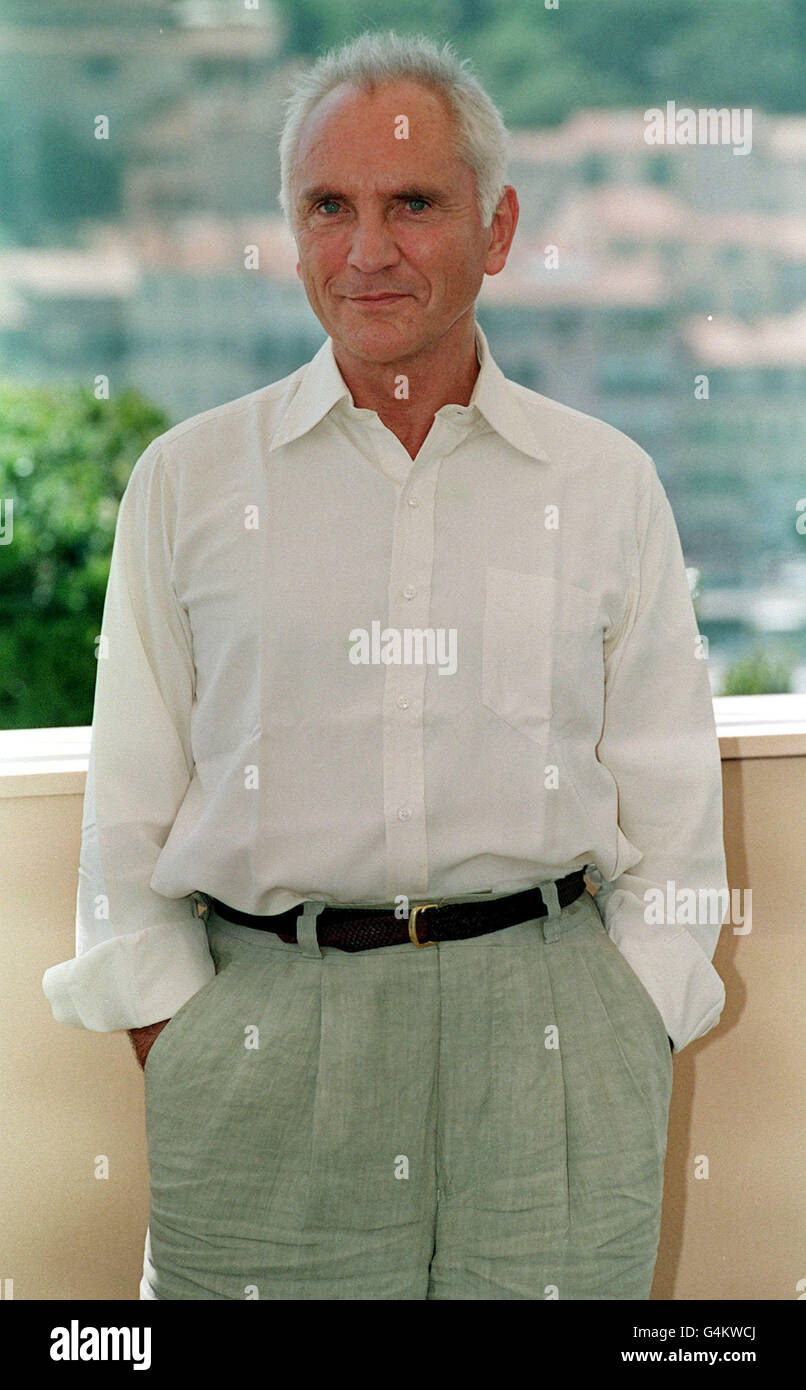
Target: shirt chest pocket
542,662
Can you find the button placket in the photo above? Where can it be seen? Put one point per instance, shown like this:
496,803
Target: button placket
410,580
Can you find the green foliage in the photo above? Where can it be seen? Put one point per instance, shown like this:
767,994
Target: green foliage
65,459
541,64
756,673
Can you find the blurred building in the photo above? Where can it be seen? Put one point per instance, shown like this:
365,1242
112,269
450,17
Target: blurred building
139,63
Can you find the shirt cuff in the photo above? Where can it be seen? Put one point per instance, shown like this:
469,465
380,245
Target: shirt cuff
673,968
130,981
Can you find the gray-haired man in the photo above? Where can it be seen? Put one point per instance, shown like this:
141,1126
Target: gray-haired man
408,1055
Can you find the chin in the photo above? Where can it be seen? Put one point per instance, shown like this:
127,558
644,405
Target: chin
379,343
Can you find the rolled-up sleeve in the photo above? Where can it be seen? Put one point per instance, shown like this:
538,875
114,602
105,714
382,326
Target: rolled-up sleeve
665,907
139,955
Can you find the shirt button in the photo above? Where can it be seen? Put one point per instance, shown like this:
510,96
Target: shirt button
409,591
413,500
403,702
404,813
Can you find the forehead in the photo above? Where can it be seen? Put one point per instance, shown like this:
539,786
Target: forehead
350,132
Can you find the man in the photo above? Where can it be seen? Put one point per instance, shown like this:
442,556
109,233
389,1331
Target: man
396,649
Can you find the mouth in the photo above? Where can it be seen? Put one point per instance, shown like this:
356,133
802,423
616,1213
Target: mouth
377,298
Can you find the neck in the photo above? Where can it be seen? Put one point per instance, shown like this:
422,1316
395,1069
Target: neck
443,373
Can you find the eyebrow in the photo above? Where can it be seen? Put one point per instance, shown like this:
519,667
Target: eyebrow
321,192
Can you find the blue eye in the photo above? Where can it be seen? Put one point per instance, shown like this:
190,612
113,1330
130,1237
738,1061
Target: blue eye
334,203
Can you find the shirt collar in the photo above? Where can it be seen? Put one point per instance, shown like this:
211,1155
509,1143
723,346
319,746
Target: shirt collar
322,386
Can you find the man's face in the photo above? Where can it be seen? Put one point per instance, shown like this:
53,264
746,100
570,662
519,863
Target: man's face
377,215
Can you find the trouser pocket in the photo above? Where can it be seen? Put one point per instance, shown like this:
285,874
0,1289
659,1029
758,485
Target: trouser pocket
638,1032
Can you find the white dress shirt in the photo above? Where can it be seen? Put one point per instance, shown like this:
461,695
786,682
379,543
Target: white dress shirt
241,749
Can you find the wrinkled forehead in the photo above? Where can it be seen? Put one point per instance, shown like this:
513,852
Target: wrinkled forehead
373,138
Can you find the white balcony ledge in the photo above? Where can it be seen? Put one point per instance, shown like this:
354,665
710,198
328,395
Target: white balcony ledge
44,762
53,762
761,726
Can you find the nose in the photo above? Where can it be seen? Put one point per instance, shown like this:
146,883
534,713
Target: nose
373,247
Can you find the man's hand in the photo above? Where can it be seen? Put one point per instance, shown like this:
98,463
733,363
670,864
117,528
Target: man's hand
144,1038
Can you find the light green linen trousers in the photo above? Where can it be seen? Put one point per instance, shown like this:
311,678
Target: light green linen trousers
478,1119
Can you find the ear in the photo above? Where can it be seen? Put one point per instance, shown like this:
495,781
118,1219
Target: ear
502,231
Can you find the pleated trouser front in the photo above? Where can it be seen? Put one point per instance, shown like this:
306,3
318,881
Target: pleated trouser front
480,1119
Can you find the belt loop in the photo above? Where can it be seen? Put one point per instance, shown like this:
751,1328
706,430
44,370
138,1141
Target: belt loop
551,924
307,939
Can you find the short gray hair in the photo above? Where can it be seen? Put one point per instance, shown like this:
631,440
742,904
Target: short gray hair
375,59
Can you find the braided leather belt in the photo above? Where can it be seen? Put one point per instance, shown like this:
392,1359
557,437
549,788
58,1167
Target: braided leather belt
362,928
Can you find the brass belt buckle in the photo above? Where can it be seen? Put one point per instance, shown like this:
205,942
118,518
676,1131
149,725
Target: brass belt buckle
413,924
